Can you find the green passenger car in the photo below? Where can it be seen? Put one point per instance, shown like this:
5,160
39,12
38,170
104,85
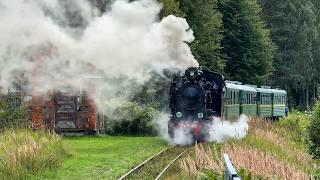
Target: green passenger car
232,105
248,105
264,102
279,99
252,101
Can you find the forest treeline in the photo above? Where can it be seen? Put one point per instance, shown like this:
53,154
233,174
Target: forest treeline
261,42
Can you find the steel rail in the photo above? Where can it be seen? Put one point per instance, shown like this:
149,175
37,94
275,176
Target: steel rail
169,165
141,164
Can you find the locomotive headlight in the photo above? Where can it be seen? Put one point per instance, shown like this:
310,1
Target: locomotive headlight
179,114
200,115
191,73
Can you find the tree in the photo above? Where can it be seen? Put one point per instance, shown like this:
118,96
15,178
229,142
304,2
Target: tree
293,25
171,7
206,22
246,42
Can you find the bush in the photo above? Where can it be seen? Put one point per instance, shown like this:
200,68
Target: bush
132,119
314,132
296,124
12,117
25,154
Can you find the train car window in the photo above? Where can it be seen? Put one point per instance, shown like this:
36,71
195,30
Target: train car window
232,97
237,99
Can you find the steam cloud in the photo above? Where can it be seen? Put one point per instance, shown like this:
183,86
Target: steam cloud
55,44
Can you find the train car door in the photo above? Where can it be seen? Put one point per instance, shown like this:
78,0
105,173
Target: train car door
66,108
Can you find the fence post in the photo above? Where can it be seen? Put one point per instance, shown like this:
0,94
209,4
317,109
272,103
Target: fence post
230,173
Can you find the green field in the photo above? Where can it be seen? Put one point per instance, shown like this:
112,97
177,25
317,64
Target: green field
106,157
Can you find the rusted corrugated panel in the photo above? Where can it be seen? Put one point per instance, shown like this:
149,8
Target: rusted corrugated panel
52,112
92,114
37,115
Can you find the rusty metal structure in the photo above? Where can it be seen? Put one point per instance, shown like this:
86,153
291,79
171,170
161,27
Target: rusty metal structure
63,110
66,112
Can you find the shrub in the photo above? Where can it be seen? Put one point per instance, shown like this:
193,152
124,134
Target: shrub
314,132
296,125
25,154
132,119
10,116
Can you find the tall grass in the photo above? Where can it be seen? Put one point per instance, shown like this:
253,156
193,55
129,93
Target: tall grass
25,154
203,158
271,150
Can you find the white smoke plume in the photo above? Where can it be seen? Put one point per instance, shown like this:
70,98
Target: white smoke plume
55,44
219,130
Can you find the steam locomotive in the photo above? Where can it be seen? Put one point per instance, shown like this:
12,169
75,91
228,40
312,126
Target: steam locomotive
198,96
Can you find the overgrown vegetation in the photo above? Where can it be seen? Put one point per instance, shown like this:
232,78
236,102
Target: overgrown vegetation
133,119
10,115
25,154
314,132
270,150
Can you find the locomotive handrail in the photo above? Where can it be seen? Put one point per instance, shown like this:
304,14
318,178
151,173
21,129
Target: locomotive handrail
230,173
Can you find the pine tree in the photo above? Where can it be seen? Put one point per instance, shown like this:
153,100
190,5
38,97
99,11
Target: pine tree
293,24
206,22
246,42
171,7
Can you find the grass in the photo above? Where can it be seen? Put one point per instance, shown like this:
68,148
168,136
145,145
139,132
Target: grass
271,150
25,154
153,167
105,157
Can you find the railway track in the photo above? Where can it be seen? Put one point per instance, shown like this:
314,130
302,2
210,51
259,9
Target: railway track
157,165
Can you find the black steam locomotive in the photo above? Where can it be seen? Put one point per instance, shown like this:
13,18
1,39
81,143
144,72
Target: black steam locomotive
195,98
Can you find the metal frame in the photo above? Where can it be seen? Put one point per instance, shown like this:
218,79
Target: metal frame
230,173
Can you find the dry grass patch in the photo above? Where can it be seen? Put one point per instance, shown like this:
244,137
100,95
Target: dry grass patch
267,152
261,163
204,158
25,154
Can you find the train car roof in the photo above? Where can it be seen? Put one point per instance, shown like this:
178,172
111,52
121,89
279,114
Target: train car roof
240,87
247,88
232,86
262,90
279,91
